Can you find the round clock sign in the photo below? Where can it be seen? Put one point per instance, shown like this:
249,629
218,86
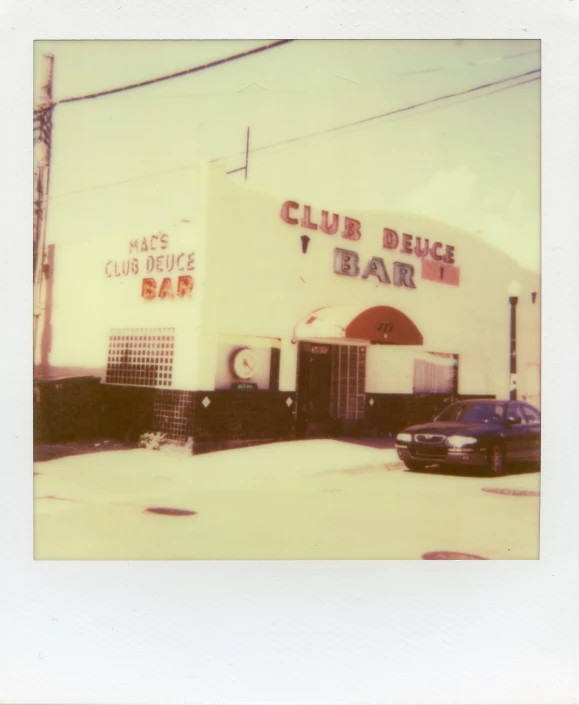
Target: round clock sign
243,363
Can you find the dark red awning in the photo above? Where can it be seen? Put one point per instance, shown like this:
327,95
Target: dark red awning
378,324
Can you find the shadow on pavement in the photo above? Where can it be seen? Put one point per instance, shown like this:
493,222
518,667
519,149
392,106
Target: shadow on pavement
385,442
52,451
518,469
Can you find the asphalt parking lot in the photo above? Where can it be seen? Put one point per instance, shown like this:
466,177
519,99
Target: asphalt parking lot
314,499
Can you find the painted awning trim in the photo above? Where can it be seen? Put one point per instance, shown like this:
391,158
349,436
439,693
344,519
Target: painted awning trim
377,324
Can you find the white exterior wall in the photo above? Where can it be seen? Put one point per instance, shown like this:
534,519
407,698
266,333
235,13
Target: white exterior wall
260,283
252,279
89,299
389,369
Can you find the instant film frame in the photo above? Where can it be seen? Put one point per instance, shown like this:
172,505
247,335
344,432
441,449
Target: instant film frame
301,632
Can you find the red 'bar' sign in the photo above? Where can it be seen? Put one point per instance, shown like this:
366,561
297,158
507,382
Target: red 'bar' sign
184,289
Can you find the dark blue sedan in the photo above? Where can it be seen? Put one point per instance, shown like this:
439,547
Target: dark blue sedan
480,433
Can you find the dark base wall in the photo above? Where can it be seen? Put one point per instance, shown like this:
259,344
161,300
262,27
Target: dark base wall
83,409
226,419
67,409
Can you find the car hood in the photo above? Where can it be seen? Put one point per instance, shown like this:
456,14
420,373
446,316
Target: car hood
449,428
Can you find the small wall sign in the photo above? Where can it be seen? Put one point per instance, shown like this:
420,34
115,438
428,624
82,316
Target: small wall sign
244,386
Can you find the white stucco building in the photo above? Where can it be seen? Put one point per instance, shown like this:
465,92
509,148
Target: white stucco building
255,316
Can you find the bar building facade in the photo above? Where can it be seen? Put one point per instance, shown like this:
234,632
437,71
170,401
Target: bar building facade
257,317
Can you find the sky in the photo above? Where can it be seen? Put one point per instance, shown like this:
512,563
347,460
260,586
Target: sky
471,161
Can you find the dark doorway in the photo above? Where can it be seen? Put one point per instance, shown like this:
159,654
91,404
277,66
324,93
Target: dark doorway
314,390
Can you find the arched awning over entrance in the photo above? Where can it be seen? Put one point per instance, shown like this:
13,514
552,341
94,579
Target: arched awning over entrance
378,324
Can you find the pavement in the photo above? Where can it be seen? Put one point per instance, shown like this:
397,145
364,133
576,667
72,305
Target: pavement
310,499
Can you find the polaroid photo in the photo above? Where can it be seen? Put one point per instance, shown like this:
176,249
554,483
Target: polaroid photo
291,340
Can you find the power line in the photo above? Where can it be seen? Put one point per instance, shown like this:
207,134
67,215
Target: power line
404,73
316,134
467,99
177,74
396,111
478,62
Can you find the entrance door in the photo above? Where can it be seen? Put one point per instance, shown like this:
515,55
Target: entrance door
314,389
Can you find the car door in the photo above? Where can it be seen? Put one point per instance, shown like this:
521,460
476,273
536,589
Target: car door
517,437
533,417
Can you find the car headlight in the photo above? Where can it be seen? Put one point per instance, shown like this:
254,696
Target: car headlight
404,438
460,441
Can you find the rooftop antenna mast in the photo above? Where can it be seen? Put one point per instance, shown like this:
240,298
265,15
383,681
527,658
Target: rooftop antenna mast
243,168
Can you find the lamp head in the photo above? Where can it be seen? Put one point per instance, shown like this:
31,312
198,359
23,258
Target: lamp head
514,289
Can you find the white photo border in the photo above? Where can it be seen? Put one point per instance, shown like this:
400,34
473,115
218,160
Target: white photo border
299,632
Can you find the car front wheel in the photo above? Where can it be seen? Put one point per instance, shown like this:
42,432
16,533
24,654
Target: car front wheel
497,464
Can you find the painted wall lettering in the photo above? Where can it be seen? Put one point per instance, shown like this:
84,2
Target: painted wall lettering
185,286
149,288
285,209
352,229
421,247
376,267
323,220
307,219
406,244
122,268
389,239
160,241
421,250
164,263
166,289
324,225
404,275
346,262
181,262
152,289
434,251
449,254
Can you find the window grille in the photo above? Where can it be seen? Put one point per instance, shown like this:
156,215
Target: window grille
141,357
348,381
436,373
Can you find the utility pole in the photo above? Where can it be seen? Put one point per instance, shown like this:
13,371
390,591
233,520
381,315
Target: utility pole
42,143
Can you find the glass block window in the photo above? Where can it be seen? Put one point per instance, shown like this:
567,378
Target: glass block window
348,381
436,373
141,357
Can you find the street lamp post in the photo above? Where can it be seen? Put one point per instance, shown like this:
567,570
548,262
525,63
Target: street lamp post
513,290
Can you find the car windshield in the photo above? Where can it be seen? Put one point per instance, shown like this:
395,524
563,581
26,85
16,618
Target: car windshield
473,413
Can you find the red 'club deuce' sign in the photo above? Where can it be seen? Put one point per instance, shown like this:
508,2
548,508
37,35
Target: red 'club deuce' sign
147,255
437,258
